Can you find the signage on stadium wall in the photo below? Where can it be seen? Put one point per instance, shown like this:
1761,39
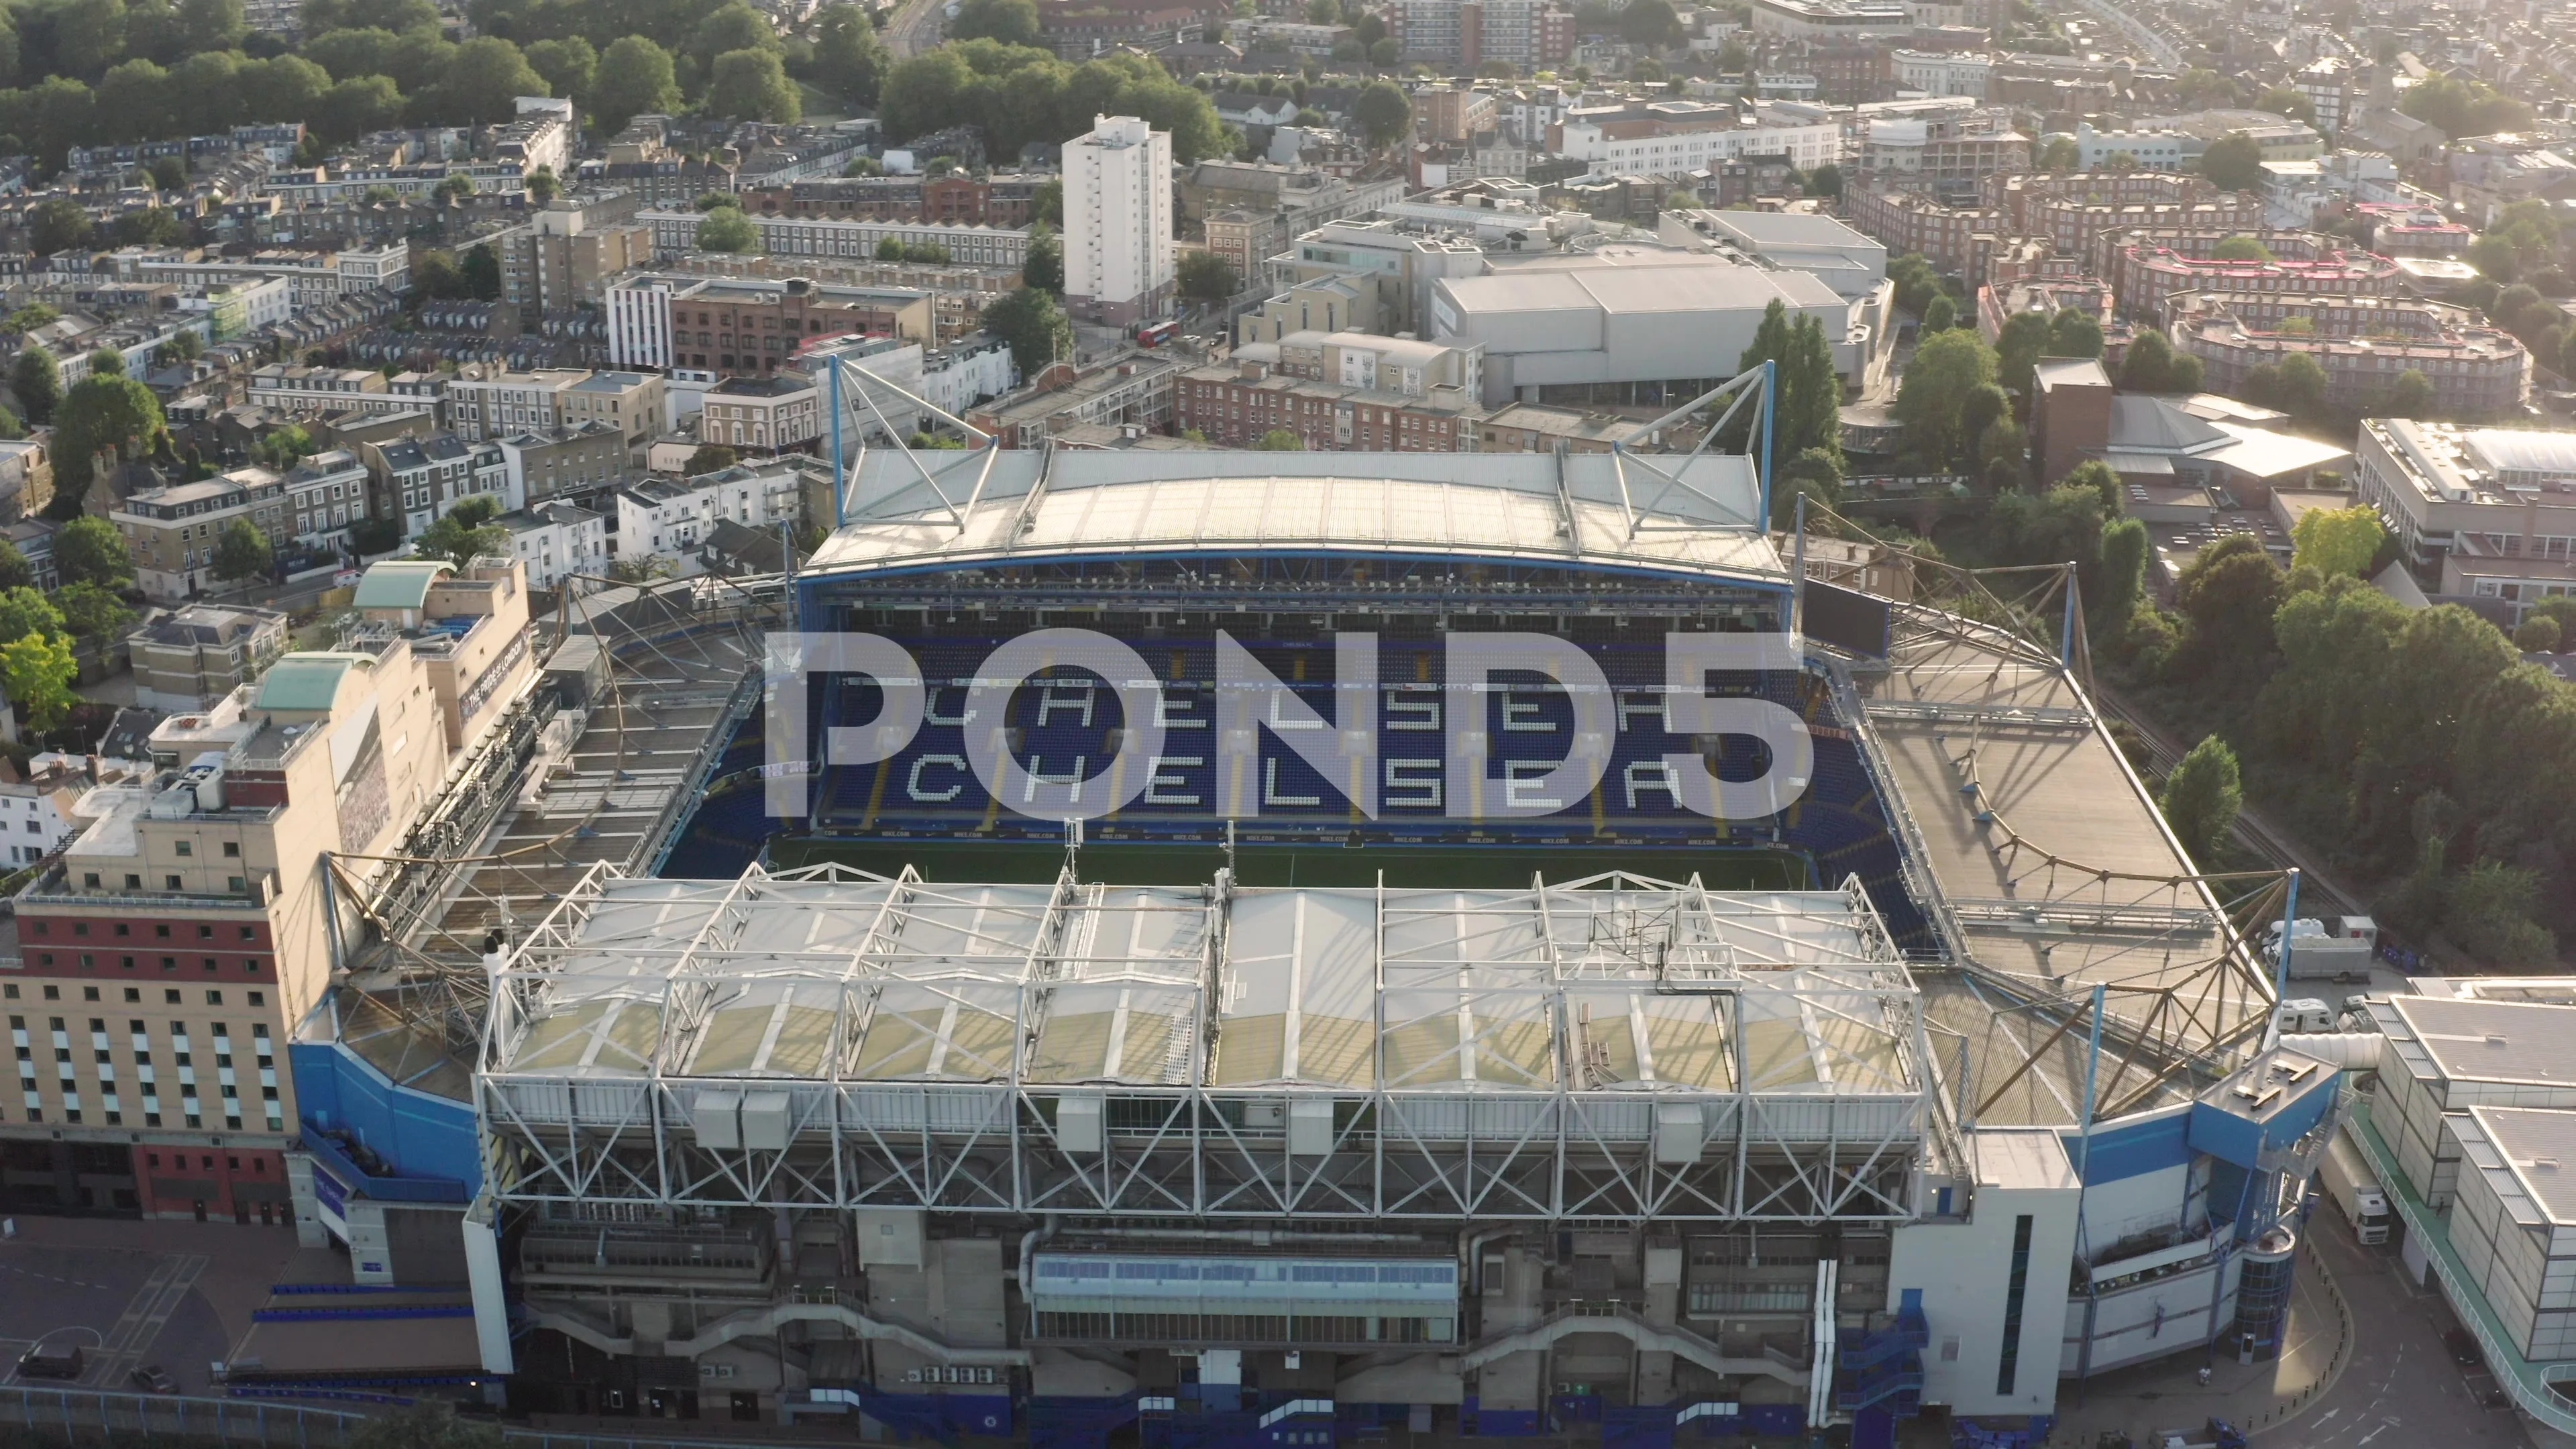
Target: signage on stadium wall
331,1202
1074,724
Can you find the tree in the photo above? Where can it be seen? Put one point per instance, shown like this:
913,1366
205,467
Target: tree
541,185
1033,326
37,380
1650,24
709,458
481,270
2060,154
2153,366
2201,799
243,552
2411,396
2228,595
730,27
2123,574
1012,22
569,65
1941,315
2536,635
466,531
1826,180
2097,476
25,611
1046,204
38,670
12,426
2233,162
425,1424
2241,248
752,85
88,549
635,77
1981,409
93,614
1815,473
1043,267
1279,440
1205,277
285,87
2494,256
2019,345
481,84
726,229
849,60
2336,541
103,414
1384,113
2073,332
2296,385
1946,368
58,224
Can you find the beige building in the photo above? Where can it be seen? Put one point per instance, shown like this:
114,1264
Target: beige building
171,531
630,402
187,928
200,654
563,257
763,414
512,402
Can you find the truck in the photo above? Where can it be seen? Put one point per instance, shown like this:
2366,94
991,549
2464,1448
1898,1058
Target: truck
2337,947
2348,1180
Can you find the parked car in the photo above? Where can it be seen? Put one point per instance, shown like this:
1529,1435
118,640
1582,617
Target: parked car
151,1380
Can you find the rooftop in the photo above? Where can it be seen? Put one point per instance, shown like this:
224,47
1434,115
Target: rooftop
1516,505
399,583
1609,983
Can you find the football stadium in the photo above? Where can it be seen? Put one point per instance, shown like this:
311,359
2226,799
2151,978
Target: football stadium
1275,948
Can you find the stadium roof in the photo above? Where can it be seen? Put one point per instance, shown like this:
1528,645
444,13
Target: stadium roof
1608,983
1695,515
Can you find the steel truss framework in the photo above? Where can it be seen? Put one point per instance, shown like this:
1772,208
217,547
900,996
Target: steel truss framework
1826,1094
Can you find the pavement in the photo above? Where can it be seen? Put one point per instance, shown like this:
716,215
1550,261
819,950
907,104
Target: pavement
133,1292
915,28
2364,1365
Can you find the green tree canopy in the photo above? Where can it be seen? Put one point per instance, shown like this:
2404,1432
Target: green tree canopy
38,671
94,615
243,552
752,85
1384,113
849,60
1012,22
1946,368
635,77
2242,248
2411,396
1940,314
464,532
24,611
2233,162
37,381
426,1424
1033,326
2336,540
2201,799
1043,267
2153,366
88,549
1203,277
103,416
1279,440
726,229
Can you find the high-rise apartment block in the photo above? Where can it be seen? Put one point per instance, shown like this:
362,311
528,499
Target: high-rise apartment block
1118,262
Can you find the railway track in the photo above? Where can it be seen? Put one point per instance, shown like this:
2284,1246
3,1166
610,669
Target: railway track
2317,895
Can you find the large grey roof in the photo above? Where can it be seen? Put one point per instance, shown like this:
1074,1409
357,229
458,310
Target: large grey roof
1489,504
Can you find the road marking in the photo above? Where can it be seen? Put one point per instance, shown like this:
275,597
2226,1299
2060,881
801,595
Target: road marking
145,1316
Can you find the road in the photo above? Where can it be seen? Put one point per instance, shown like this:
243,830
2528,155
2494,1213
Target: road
2399,1388
916,27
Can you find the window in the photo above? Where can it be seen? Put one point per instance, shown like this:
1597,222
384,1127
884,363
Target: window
259,998
171,996
88,993
173,882
2009,1363
214,998
233,848
185,847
